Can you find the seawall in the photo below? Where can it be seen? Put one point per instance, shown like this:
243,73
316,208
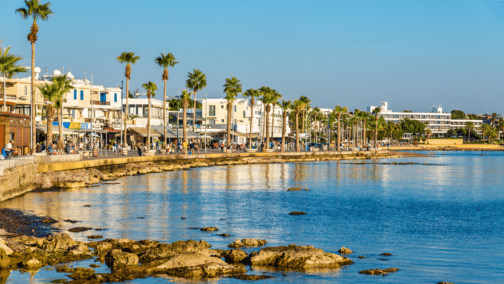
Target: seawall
38,173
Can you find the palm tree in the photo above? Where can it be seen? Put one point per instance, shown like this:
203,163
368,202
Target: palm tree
195,81
128,58
485,128
165,61
469,126
232,88
252,94
275,96
306,101
186,96
365,120
63,84
8,68
267,99
35,10
376,111
150,88
52,94
428,133
339,110
354,120
285,105
297,106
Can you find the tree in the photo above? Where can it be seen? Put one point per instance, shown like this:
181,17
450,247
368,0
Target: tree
263,91
457,114
428,133
63,84
35,10
485,128
150,88
339,110
376,111
354,120
275,96
285,105
365,120
252,94
195,81
267,99
186,96
128,58
8,68
297,106
469,125
165,61
232,88
51,94
306,102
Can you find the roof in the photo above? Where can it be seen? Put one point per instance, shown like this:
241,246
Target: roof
143,131
55,130
172,132
235,133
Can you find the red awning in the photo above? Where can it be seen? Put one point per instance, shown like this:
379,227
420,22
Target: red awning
8,103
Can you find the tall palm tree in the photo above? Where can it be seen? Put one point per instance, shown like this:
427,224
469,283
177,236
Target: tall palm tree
365,120
36,11
264,90
275,96
285,105
195,81
267,99
232,88
52,94
185,97
376,111
128,58
485,128
297,105
354,120
150,88
339,110
252,94
8,68
306,101
165,61
469,126
63,84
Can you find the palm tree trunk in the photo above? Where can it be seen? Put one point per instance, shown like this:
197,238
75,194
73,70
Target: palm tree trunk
184,122
263,124
164,112
272,121
33,111
228,136
125,141
60,118
148,125
251,119
267,128
376,130
194,114
284,121
339,133
297,131
353,135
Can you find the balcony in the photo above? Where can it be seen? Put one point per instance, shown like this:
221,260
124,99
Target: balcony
99,103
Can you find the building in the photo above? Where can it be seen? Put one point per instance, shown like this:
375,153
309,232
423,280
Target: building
438,122
139,111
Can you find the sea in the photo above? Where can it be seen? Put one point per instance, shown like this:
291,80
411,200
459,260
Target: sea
440,217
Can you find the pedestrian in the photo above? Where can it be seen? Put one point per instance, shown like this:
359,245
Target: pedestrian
139,148
184,147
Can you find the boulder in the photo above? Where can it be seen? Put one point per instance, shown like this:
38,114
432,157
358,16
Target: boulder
3,245
234,256
79,249
81,273
298,213
165,251
378,271
297,189
60,241
209,229
103,248
4,259
236,244
116,259
293,256
32,263
344,250
253,242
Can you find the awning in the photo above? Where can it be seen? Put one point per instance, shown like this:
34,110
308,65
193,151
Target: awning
41,128
235,133
143,131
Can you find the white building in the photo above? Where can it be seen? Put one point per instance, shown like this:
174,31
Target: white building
139,111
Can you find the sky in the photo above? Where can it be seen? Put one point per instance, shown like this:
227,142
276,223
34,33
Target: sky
412,54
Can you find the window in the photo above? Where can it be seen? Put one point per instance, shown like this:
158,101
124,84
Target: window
211,110
26,90
243,113
222,106
223,120
73,113
235,108
115,97
81,95
75,94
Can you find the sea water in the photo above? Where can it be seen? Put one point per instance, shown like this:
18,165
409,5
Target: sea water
441,218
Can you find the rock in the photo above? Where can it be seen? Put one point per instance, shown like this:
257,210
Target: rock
195,265
298,213
81,273
250,277
344,250
4,259
94,265
79,249
253,242
443,282
95,237
103,248
70,221
165,251
293,256
236,244
32,263
234,256
224,235
193,228
378,271
116,259
209,229
3,245
361,257
79,229
386,254
48,220
60,241
297,189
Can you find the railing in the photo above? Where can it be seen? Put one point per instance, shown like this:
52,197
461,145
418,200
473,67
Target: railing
99,103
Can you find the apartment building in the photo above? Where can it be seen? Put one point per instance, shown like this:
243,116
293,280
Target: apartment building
139,111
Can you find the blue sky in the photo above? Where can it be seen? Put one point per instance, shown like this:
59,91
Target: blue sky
413,54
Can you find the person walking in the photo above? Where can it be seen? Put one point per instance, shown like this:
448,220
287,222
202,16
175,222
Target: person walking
184,147
139,148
